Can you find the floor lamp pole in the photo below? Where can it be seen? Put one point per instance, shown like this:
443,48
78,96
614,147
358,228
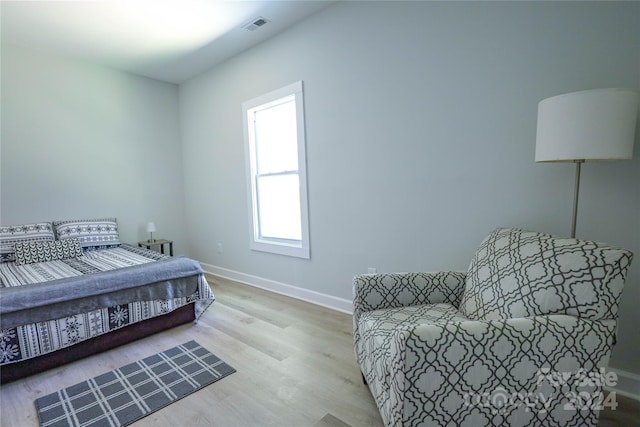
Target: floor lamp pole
576,191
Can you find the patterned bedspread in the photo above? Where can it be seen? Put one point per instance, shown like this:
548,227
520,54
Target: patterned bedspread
91,262
35,339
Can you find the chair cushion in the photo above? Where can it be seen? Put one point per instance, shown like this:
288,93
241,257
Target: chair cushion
517,273
376,329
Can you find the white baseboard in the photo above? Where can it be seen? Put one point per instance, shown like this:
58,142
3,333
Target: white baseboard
324,300
628,384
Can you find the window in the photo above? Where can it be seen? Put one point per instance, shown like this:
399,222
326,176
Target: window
275,151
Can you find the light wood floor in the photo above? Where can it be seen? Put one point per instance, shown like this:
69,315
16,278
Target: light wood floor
294,360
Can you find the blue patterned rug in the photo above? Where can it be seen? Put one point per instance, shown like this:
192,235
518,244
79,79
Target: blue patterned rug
126,394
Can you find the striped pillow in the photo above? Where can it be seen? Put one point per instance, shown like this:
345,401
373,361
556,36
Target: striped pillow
41,251
12,234
90,232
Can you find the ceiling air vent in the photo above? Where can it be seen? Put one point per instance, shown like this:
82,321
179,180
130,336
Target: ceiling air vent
255,23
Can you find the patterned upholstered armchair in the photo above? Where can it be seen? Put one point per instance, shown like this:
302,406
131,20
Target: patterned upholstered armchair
521,338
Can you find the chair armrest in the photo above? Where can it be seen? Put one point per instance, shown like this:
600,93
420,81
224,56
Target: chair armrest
378,291
521,369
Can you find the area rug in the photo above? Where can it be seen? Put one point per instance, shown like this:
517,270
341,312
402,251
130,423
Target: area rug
126,394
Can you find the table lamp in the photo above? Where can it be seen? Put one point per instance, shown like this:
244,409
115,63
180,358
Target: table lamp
151,228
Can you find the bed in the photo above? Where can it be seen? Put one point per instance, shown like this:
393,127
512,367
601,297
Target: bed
69,289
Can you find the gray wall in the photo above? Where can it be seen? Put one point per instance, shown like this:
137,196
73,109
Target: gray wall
83,141
421,120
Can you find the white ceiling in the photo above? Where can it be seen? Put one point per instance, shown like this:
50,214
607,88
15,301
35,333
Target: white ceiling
170,40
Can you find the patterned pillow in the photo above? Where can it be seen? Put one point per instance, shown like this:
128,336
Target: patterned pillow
40,251
12,234
90,232
517,273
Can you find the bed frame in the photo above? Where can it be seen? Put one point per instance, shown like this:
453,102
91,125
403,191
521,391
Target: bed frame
127,334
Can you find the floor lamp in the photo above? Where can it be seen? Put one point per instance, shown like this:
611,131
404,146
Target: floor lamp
584,126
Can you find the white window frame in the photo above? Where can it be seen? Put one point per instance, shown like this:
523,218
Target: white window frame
294,248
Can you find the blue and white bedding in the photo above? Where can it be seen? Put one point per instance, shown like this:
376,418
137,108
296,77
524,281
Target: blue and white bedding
46,306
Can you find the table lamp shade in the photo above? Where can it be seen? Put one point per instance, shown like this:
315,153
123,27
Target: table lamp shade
151,227
589,125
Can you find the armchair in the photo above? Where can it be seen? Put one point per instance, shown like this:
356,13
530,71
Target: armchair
520,339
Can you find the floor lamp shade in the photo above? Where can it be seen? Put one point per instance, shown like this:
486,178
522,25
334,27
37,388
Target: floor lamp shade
589,125
595,124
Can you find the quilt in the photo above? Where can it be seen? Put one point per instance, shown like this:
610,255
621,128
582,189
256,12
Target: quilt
24,341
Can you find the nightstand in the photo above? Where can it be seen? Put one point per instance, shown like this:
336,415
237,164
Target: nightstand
157,242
